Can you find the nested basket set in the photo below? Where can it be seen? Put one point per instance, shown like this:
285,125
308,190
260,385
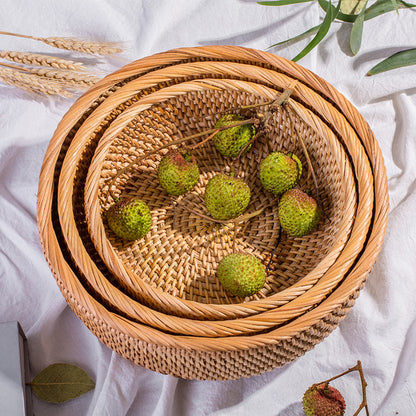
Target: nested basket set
157,301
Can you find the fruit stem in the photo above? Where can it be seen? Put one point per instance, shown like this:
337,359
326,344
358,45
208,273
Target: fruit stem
264,118
311,172
279,101
237,220
252,140
358,367
205,140
279,237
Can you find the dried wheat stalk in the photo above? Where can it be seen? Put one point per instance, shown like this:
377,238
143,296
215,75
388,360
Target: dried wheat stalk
67,78
84,46
32,83
76,44
40,60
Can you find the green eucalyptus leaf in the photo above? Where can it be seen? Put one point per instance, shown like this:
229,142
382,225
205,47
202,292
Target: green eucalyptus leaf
352,6
298,37
282,2
384,6
396,6
60,382
357,31
398,60
378,8
323,30
340,16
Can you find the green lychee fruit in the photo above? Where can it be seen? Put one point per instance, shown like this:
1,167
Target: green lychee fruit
178,172
241,274
129,218
230,142
280,171
226,197
298,213
323,400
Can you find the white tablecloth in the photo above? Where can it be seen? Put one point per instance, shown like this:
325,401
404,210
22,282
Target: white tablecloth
381,328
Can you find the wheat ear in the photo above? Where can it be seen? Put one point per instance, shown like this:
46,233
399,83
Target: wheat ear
32,83
76,44
40,60
65,77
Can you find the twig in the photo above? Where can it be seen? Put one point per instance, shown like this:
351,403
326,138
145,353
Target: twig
252,140
237,220
279,238
264,119
173,143
311,171
205,140
304,149
247,107
358,367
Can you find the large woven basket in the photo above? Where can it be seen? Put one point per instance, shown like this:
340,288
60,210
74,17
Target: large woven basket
202,356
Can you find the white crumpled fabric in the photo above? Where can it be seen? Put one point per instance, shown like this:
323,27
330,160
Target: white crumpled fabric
380,330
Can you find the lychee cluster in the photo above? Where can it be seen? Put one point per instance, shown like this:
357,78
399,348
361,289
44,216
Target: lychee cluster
226,198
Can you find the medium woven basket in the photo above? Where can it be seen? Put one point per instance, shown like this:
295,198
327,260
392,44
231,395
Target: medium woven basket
202,356
172,324
272,301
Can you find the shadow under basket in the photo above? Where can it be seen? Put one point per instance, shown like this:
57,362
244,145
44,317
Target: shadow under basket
174,272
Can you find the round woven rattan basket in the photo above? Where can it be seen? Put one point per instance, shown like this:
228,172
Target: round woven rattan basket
203,357
255,324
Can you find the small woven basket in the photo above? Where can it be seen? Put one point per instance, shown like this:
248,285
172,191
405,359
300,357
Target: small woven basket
201,356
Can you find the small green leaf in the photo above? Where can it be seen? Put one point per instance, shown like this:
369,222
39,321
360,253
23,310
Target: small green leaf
357,31
282,2
323,30
298,37
60,382
398,60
